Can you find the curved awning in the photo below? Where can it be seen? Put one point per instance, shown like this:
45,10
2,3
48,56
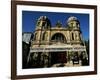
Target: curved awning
59,48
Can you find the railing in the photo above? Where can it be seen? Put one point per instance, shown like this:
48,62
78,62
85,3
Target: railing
54,41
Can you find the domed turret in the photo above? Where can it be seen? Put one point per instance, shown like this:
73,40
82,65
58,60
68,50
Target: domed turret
73,22
43,22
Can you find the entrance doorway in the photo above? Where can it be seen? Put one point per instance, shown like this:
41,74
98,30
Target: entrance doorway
58,57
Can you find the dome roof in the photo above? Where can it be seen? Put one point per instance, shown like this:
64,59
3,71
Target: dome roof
72,18
42,18
43,21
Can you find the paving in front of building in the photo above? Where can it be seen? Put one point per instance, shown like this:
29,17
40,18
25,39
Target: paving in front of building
68,64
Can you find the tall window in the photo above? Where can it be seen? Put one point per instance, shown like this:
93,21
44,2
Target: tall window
44,36
72,36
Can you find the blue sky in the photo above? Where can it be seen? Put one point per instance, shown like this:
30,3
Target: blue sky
29,19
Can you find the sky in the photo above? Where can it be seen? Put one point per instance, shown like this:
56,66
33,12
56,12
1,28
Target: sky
29,19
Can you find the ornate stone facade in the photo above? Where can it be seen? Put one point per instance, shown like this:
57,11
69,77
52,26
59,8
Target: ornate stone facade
55,36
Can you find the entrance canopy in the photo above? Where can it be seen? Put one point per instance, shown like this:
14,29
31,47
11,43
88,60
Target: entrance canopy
59,48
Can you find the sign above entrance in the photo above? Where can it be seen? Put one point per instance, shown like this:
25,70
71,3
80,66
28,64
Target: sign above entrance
56,49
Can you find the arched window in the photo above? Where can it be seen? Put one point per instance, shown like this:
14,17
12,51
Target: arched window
71,24
58,37
43,23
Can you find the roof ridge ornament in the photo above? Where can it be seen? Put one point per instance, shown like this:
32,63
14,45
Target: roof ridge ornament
58,24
